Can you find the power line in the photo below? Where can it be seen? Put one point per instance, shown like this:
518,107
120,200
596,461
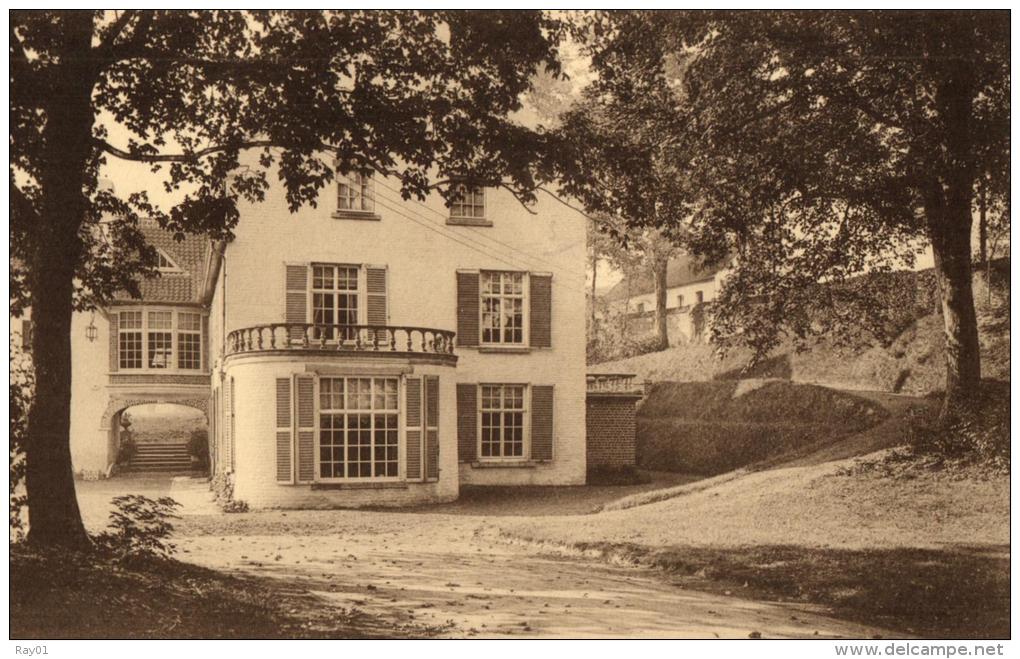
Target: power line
431,226
533,257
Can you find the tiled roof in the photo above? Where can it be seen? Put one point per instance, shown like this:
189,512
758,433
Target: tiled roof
682,270
190,256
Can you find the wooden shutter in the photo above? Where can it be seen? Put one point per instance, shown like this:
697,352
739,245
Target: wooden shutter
304,412
541,310
432,427
412,416
114,342
467,422
376,312
284,442
542,422
468,302
296,312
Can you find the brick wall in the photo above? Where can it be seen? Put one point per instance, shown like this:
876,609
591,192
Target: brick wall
610,430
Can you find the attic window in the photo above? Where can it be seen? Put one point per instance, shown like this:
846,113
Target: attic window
164,263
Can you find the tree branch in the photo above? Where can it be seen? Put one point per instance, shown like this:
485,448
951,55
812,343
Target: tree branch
201,153
117,28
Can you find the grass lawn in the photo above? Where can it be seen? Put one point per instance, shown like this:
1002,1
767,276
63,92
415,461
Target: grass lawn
925,552
84,596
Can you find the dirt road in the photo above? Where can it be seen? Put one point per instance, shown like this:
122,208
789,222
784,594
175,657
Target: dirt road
455,573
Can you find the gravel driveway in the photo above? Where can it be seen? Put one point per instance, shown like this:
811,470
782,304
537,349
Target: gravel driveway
450,569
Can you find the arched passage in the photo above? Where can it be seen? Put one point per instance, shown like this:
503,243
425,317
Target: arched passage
159,436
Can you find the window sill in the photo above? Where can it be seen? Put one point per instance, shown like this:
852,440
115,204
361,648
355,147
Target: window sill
468,222
356,215
511,350
390,485
509,464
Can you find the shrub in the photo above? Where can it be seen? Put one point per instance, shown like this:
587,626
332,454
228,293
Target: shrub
222,486
198,446
141,528
979,434
127,449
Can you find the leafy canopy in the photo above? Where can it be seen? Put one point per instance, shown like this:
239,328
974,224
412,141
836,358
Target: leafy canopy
410,94
811,142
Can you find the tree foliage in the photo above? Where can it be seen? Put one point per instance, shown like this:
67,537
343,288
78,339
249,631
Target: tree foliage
817,146
422,96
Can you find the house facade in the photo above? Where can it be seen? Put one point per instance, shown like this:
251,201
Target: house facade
689,283
365,351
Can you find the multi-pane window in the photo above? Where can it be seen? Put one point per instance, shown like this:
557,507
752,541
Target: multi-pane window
503,413
159,339
358,428
468,201
502,307
189,340
334,300
129,348
355,192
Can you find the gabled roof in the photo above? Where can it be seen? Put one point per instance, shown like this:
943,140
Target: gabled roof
190,255
681,270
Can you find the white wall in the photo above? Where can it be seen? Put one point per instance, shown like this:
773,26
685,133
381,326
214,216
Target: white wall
423,254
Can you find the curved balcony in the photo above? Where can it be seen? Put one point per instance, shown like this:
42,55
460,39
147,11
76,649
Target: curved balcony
386,341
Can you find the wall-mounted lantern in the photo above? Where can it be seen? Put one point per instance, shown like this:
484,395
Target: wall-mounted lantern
92,332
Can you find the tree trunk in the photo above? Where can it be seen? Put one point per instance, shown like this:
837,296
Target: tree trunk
661,330
948,204
983,220
594,277
949,229
54,517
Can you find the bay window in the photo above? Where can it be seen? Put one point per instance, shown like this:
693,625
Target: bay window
159,339
358,428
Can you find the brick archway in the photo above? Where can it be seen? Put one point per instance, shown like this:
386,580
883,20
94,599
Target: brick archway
119,404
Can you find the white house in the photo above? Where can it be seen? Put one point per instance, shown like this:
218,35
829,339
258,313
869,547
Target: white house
689,282
369,350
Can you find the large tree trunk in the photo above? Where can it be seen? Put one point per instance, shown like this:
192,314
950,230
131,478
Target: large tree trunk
661,329
54,518
948,203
